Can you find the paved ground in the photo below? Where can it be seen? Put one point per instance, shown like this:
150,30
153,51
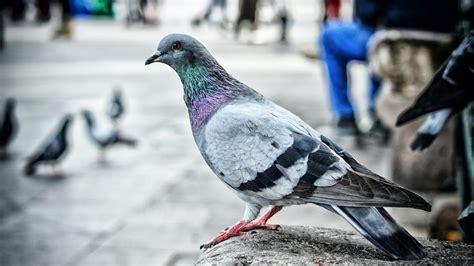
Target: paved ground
155,204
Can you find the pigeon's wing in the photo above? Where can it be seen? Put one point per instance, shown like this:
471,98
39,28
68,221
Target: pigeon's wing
267,152
358,187
450,86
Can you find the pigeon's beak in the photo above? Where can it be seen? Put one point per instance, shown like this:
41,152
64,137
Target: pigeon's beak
153,58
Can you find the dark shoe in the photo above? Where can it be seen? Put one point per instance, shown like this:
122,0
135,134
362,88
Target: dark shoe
379,131
347,126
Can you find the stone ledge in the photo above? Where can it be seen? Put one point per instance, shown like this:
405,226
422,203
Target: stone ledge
313,245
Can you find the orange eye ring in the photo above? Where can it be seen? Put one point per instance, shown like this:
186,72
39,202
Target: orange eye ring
176,46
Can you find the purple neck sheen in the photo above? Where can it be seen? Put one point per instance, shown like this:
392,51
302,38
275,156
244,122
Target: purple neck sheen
203,108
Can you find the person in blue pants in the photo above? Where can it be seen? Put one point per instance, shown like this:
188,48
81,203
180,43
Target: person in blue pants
343,42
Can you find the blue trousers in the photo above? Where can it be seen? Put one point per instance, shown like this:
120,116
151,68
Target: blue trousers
341,43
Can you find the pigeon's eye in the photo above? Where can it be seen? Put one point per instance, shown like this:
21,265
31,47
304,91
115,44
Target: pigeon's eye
176,46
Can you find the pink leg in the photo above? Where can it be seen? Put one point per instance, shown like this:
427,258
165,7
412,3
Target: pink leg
242,226
262,222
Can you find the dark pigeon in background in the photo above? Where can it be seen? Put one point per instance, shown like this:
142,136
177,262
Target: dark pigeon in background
270,157
116,108
449,92
8,126
102,136
53,150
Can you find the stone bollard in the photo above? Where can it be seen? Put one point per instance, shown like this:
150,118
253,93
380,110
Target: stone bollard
406,61
320,246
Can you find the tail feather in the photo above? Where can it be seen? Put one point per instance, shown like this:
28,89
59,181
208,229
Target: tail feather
380,229
431,127
422,141
30,169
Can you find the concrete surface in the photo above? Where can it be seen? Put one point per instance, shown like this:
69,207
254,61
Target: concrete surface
156,204
320,246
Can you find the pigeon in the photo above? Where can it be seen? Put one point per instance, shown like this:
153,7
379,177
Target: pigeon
449,92
104,137
270,157
116,109
8,126
54,149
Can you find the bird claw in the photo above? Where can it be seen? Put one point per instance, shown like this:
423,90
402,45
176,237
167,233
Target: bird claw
207,245
242,228
250,229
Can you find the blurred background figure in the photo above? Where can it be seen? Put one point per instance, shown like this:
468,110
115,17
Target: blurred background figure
449,93
17,9
142,11
212,5
116,108
64,29
96,8
103,136
282,16
43,11
2,27
52,151
254,14
369,15
247,13
332,10
8,127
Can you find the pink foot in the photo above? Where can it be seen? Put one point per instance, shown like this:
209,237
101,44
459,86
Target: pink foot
243,227
234,230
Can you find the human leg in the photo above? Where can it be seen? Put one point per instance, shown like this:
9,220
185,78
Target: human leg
337,52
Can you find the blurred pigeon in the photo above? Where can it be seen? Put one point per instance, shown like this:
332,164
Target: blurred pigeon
8,126
104,137
449,92
53,150
116,109
270,157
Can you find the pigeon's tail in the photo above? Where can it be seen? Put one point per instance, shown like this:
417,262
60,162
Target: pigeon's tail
126,141
430,129
375,224
30,168
422,141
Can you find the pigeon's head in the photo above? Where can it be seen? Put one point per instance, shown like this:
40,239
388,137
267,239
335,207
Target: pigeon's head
179,51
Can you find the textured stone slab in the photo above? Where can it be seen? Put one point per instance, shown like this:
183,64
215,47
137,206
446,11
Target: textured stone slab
313,245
